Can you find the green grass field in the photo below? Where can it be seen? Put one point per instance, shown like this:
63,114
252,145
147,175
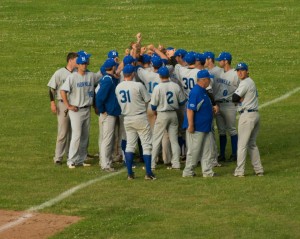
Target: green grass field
35,38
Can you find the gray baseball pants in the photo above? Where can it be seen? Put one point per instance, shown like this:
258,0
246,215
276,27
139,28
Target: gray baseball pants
63,132
248,128
166,121
199,147
80,124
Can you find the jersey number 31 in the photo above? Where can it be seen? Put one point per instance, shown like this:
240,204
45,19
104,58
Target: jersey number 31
125,96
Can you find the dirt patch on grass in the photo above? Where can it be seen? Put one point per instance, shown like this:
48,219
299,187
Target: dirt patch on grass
33,225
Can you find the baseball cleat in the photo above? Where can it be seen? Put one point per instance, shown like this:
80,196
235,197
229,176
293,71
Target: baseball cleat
260,174
239,175
71,166
150,177
189,176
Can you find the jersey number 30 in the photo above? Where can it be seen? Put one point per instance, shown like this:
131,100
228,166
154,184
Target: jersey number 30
125,96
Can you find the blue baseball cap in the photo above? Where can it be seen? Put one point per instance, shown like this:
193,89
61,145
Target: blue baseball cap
128,60
109,63
200,57
83,57
209,55
190,58
241,66
163,71
180,52
204,74
146,58
128,69
224,56
156,61
112,54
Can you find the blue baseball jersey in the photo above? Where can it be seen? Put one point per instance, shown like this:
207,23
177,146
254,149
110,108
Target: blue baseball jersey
200,103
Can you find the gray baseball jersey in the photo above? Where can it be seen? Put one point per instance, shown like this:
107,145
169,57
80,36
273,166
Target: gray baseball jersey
167,96
225,85
57,80
187,76
132,97
247,90
149,78
80,88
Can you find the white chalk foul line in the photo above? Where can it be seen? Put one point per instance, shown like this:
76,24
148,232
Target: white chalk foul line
30,212
283,97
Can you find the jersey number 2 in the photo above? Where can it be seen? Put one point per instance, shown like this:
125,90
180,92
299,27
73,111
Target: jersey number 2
125,96
170,97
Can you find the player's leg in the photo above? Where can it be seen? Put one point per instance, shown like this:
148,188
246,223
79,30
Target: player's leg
230,118
157,136
193,153
166,148
132,137
221,125
63,131
144,131
100,137
173,136
252,147
206,155
84,139
245,128
108,128
181,132
76,125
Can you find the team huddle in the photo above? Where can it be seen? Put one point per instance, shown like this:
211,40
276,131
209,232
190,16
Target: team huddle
165,101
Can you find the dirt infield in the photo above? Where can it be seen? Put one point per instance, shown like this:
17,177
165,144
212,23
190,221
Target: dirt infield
37,226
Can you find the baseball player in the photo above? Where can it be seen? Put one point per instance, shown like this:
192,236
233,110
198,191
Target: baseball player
247,99
80,85
151,79
198,122
223,89
63,120
109,110
132,97
165,99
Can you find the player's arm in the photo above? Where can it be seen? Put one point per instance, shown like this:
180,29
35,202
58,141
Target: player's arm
236,98
102,94
154,100
64,97
158,52
190,118
52,100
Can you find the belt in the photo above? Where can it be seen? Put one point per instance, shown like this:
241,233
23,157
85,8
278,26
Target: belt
166,111
242,111
61,101
223,101
83,107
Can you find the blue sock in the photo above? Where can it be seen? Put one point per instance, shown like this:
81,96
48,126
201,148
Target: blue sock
123,145
234,142
147,160
129,160
223,142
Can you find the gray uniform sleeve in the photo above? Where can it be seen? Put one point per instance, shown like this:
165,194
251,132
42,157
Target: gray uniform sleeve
155,96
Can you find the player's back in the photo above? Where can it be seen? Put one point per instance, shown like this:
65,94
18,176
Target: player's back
149,78
132,97
188,77
167,96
